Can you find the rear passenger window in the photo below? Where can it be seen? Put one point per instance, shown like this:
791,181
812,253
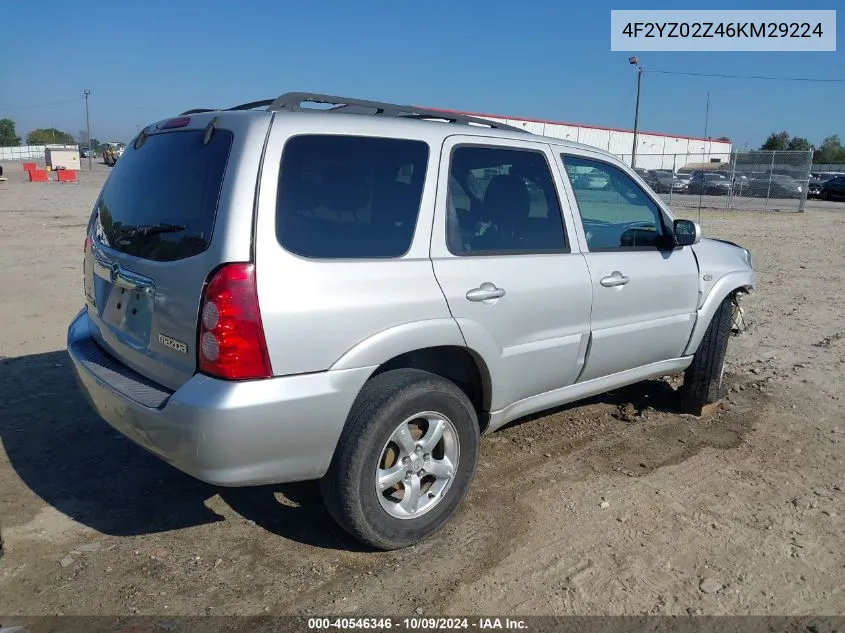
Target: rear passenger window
502,201
349,196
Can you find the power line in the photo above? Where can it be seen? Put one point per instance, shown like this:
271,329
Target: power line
41,105
672,72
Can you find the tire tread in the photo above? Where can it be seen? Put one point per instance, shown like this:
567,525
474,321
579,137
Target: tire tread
340,485
701,379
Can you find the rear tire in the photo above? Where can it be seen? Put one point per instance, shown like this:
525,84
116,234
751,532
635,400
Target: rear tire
704,379
350,488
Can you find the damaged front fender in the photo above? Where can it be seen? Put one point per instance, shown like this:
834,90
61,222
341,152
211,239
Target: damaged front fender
727,285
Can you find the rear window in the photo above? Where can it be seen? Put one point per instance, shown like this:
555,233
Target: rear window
349,196
161,199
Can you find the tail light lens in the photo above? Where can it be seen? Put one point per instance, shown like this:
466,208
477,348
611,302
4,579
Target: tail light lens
231,336
86,244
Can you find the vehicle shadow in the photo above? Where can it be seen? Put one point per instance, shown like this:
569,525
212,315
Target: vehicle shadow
64,453
655,394
631,401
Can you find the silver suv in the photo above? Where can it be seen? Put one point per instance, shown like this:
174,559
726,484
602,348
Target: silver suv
355,293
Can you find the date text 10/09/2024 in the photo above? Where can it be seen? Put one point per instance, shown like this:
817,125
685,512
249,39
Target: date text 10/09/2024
417,623
723,29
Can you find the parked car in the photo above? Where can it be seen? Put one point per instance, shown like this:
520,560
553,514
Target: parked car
814,187
709,183
643,173
591,179
333,295
664,181
773,186
833,189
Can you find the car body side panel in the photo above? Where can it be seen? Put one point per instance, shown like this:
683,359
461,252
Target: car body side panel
533,338
717,258
401,339
584,389
719,291
647,320
650,318
315,311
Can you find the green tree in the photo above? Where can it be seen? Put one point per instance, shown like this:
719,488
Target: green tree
48,136
724,139
8,138
777,141
798,143
831,151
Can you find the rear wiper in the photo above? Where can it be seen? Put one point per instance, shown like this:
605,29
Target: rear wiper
150,229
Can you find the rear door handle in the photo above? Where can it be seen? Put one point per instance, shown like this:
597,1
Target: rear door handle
614,279
485,292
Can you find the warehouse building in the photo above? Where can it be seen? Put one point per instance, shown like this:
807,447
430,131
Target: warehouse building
655,150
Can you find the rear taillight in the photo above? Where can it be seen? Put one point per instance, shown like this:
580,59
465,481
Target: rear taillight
86,244
231,337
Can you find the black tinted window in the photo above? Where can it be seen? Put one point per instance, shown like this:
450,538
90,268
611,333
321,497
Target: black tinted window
502,201
160,200
349,196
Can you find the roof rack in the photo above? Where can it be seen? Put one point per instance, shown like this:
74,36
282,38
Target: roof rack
292,102
243,106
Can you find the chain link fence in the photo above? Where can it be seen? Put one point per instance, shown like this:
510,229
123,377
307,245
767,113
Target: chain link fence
741,180
837,168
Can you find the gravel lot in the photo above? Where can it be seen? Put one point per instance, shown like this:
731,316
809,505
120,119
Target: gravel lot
738,512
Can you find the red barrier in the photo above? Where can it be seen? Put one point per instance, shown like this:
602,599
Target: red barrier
66,175
38,175
29,166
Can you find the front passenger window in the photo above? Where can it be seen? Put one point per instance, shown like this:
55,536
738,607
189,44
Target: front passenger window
615,211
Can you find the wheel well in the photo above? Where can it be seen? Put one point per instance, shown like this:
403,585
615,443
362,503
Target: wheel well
456,364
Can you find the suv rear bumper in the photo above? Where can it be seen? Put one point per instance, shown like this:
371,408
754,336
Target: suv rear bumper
221,432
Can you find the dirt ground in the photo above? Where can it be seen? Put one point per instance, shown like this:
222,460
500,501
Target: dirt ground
739,512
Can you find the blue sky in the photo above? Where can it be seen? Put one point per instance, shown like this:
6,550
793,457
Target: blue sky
547,59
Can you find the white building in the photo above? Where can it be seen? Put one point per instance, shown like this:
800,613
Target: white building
655,150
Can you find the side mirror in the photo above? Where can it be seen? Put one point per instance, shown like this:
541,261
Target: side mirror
687,232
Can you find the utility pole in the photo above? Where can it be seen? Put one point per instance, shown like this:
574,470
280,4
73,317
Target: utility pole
636,62
88,128
708,147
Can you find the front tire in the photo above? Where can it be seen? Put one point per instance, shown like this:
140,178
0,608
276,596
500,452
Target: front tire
704,381
404,461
